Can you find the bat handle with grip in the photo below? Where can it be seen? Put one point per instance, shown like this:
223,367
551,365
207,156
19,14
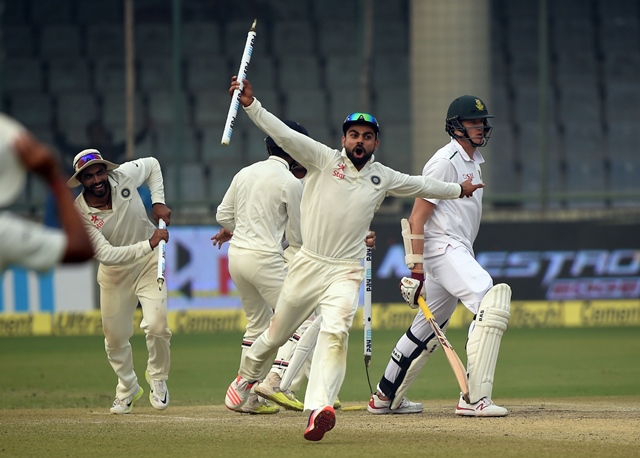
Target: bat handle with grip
425,308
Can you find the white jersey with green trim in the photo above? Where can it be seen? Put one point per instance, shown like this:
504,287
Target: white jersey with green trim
454,222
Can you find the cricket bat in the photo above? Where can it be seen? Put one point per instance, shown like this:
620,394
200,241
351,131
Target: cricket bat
457,366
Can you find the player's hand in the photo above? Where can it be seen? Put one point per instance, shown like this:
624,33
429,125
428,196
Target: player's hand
468,188
412,288
161,211
370,240
246,96
223,235
159,234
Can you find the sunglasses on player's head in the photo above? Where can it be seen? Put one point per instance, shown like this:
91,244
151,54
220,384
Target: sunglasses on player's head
366,117
87,158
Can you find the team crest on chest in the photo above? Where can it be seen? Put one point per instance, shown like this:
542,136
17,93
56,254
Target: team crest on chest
376,180
125,193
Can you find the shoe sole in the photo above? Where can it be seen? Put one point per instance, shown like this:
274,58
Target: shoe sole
388,411
260,411
288,405
473,413
323,423
383,411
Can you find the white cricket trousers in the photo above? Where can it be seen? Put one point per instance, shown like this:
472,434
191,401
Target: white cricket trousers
121,287
449,277
332,285
258,277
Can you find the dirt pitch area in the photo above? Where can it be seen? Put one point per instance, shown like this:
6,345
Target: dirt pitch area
534,428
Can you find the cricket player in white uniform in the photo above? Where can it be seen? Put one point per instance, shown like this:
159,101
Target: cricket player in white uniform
442,233
262,202
124,240
23,242
342,191
270,388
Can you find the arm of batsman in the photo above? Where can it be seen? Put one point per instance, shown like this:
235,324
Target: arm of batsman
412,288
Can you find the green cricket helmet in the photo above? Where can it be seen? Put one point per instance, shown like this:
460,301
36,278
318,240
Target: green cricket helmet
464,108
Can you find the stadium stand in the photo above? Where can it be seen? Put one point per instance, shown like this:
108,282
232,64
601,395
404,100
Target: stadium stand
65,57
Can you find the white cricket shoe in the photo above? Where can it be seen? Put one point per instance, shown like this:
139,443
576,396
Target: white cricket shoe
270,389
122,406
159,395
238,393
483,408
377,406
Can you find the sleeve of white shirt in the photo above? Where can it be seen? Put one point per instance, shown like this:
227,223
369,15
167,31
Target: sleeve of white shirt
440,169
403,185
293,192
226,213
110,255
28,244
302,148
147,169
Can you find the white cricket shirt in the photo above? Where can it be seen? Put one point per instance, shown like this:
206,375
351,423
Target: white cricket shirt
28,244
453,222
262,202
339,201
121,235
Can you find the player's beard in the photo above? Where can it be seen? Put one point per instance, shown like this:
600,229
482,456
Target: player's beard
358,155
101,191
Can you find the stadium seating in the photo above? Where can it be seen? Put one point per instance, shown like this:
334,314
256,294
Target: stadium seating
65,58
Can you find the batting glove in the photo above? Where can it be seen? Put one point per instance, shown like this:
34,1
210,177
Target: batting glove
411,289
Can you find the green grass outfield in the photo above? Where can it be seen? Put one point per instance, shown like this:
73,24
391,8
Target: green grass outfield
54,371
535,367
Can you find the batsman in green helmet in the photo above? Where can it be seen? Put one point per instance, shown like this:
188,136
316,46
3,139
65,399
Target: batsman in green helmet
467,108
438,239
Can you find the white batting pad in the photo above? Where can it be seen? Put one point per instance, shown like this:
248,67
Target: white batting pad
305,346
409,258
484,342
